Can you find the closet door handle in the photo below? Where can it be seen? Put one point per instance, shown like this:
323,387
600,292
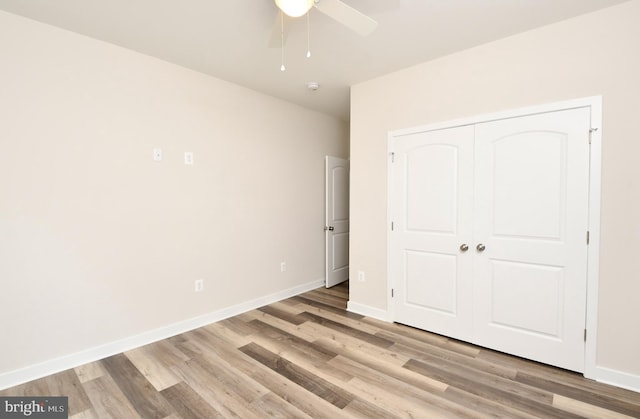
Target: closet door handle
480,247
464,247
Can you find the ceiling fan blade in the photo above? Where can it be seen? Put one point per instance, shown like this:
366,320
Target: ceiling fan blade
275,39
347,15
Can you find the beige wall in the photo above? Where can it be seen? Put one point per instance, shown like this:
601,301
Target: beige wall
98,242
590,55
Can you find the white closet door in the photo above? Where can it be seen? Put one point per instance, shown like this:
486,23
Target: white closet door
432,207
530,214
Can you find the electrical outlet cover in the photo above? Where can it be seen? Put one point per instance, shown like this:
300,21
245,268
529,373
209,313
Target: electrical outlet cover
199,285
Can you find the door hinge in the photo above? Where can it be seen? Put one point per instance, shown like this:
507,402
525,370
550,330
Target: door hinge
585,335
391,225
591,131
393,157
391,292
587,237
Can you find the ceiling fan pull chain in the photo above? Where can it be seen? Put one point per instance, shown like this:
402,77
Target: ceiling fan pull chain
308,37
282,68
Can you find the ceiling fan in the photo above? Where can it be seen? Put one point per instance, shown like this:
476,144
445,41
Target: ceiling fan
335,9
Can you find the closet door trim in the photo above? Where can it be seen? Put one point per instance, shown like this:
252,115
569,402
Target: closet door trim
594,103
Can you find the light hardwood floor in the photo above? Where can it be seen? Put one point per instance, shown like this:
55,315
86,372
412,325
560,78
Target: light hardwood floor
308,357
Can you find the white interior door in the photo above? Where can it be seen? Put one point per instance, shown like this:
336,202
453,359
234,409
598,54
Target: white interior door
516,192
531,216
433,200
336,220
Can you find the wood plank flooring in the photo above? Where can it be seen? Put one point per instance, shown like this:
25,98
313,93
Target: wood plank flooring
307,357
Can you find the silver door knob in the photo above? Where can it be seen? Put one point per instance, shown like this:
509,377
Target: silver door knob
480,247
464,247
328,228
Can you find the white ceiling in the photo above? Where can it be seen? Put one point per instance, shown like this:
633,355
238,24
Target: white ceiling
229,39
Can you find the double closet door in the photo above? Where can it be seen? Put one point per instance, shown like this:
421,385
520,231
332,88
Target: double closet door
489,240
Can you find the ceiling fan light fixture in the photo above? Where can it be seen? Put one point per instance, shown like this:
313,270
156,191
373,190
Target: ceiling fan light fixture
294,8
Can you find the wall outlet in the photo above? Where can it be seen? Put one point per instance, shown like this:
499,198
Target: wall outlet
361,276
157,154
199,285
188,157
283,266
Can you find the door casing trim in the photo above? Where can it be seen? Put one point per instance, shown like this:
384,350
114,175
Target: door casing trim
591,369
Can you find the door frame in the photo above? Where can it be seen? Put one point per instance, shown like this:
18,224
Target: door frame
595,186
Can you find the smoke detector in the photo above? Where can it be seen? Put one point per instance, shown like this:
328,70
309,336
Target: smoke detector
313,86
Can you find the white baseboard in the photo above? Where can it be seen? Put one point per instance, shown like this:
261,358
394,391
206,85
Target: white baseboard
368,311
53,366
617,378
